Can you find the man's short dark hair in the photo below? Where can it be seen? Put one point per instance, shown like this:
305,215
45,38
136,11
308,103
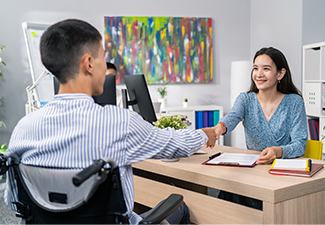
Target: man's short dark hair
111,66
64,43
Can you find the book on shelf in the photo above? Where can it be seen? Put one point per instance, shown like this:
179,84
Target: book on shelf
313,125
216,116
295,167
198,119
206,119
210,118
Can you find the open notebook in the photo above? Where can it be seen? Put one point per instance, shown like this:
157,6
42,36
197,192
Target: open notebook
295,167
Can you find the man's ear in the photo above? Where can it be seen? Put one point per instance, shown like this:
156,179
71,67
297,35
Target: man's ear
86,66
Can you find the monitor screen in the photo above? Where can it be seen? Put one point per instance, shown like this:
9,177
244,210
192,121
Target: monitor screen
109,94
139,97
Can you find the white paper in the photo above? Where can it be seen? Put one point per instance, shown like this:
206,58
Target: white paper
299,164
235,159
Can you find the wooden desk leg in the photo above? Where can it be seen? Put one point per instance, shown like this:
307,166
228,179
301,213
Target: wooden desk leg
307,209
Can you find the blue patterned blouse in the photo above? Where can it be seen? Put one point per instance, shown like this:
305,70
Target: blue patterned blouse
286,128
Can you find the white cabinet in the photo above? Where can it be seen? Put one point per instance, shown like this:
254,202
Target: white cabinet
193,114
314,84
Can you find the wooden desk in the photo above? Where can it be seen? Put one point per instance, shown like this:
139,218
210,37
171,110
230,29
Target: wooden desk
286,200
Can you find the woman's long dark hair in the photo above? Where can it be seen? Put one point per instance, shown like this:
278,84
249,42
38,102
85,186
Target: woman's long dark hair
286,85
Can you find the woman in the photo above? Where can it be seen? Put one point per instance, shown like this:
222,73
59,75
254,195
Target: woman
272,111
273,114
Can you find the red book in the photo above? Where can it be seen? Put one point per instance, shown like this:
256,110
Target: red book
314,169
317,129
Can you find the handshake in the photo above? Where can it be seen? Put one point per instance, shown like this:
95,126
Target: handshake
213,134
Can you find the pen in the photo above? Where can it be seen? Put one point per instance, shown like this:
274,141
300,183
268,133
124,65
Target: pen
215,155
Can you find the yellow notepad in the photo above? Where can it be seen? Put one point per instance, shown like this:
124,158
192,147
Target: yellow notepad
292,164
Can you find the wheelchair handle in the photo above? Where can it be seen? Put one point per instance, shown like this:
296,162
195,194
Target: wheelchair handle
83,175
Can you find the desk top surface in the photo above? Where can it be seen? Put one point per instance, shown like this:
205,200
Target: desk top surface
253,182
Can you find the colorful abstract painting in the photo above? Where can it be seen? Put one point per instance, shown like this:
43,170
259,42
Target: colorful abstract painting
164,49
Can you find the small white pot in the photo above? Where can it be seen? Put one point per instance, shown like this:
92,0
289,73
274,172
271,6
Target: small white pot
185,104
163,102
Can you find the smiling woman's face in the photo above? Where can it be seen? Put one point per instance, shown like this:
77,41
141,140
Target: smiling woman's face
265,74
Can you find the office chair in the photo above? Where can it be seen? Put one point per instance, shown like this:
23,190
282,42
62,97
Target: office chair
63,196
313,149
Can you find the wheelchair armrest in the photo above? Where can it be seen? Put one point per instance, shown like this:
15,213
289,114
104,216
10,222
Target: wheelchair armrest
165,209
4,159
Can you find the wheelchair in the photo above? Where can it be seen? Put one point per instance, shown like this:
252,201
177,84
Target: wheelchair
64,196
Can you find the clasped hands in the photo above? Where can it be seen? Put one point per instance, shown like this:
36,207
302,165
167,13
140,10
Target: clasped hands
213,134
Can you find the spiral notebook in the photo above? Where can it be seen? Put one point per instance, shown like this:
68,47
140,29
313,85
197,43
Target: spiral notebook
233,159
295,167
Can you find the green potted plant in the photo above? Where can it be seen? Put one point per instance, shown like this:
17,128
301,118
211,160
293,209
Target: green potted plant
3,148
2,47
173,121
185,103
162,94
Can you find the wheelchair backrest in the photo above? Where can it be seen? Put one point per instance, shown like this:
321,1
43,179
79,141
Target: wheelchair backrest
53,189
48,196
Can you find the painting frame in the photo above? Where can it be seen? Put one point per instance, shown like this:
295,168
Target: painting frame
164,49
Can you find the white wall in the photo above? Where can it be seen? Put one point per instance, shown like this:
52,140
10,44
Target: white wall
231,39
313,21
278,23
241,27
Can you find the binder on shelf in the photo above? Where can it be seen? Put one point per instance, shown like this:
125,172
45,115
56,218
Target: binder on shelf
215,118
210,115
317,129
205,119
198,119
313,125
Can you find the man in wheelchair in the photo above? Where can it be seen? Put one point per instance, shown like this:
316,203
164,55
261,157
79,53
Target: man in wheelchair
71,131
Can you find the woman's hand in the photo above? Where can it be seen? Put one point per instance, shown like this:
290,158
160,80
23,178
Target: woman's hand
219,130
269,154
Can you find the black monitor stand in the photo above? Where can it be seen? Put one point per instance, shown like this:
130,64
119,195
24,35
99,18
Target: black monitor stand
140,99
125,101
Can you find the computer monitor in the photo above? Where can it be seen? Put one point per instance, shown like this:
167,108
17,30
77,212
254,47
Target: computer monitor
139,96
108,96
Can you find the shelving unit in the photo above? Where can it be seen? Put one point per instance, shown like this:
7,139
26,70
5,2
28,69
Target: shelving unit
314,84
190,112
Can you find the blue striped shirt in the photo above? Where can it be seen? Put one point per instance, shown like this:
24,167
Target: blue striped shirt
286,128
71,131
